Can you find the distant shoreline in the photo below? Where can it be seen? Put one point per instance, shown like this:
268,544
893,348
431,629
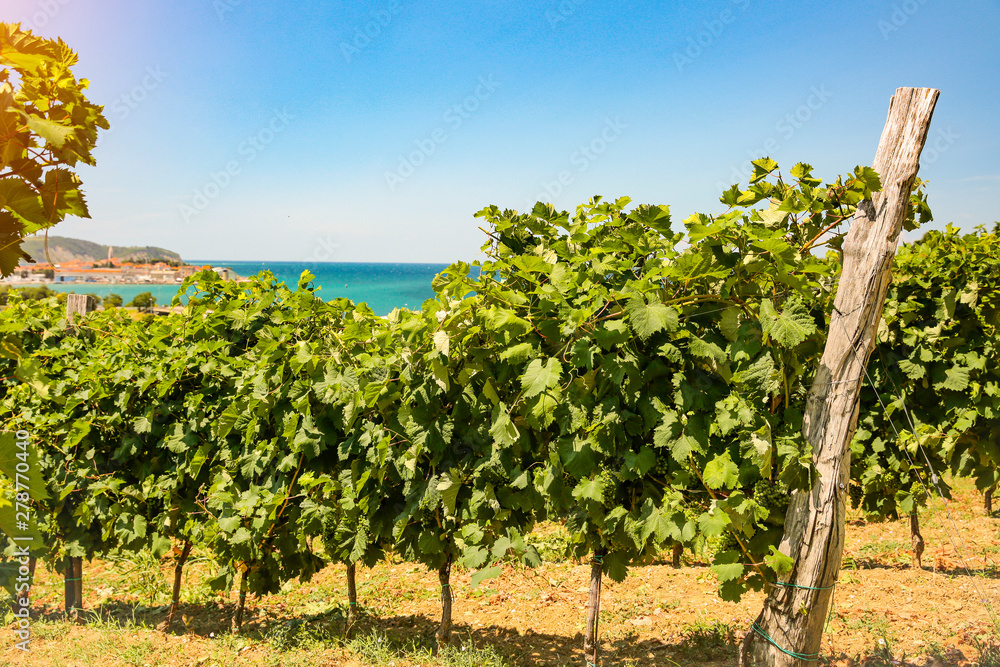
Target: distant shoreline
79,283
383,286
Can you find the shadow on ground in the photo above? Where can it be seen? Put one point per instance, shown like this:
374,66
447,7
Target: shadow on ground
409,635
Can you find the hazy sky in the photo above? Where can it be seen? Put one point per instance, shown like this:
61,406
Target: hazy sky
373,131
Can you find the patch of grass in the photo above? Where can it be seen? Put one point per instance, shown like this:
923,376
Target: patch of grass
382,649
711,641
481,592
874,625
883,656
623,610
989,653
141,574
134,655
668,605
298,634
883,547
471,656
49,630
131,647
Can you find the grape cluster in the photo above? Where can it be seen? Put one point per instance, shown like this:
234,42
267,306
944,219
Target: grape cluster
889,482
728,543
856,493
918,491
662,467
430,499
770,494
609,484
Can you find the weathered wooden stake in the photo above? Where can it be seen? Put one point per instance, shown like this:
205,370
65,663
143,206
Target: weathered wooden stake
988,498
591,645
678,551
916,539
242,604
352,596
73,566
69,589
443,634
73,585
789,630
178,571
79,303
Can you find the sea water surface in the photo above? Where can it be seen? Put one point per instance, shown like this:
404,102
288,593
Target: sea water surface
382,286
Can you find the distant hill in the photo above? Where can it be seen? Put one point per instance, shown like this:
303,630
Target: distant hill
62,249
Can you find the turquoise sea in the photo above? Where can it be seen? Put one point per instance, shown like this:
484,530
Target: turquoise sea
382,286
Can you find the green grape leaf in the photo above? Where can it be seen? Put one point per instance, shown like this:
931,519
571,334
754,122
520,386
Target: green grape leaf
589,489
441,342
912,370
485,574
728,571
721,472
713,523
518,353
647,319
449,487
789,327
778,561
54,133
539,377
956,379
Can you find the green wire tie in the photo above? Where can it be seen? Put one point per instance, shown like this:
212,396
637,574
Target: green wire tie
808,657
73,579
590,664
808,588
813,588
599,560
352,603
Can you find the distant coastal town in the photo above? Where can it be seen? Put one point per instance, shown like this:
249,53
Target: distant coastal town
110,271
129,270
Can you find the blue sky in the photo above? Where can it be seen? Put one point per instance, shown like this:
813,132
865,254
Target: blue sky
373,131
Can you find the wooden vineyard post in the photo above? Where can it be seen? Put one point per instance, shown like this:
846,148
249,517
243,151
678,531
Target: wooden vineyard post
79,303
352,597
916,539
591,645
70,580
73,571
241,605
789,630
443,634
175,598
